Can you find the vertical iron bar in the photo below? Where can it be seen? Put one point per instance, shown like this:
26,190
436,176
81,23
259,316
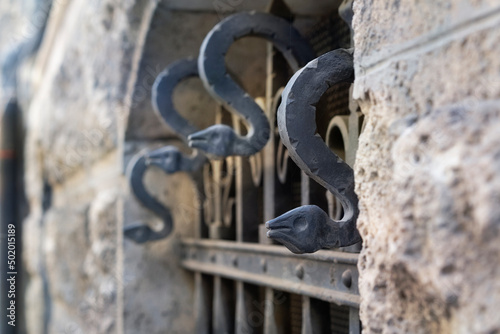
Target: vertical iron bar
270,326
354,323
223,315
202,304
305,184
242,326
223,304
269,151
307,326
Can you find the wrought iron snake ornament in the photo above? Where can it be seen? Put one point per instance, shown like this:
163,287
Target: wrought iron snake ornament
140,232
170,159
221,140
308,228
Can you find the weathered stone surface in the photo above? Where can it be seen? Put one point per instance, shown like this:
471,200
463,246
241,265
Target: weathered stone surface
387,27
427,170
81,265
99,308
79,104
80,86
65,246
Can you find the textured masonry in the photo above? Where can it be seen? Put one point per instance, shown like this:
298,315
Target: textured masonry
427,169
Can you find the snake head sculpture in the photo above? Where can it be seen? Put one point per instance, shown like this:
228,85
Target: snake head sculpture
220,141
302,230
139,233
297,126
171,160
168,158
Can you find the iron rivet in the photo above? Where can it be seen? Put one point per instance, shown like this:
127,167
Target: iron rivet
263,264
347,278
299,271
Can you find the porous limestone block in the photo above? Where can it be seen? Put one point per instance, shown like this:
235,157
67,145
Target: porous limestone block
427,169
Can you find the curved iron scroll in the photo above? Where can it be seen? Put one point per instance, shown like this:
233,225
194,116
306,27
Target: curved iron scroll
221,140
163,90
140,232
308,228
163,105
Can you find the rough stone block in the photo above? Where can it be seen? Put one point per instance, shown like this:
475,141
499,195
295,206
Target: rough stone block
427,176
385,28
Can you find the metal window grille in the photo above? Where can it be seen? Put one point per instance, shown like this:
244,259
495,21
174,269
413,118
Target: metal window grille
243,282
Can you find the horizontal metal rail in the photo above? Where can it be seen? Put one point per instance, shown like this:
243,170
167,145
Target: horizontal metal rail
326,275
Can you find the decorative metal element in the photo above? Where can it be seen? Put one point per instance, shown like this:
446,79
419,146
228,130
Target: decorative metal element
244,286
221,140
163,90
169,158
308,228
219,204
163,104
282,154
339,123
140,232
330,276
212,182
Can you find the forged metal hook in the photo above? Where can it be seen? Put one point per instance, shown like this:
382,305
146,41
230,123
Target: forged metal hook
221,140
308,228
140,232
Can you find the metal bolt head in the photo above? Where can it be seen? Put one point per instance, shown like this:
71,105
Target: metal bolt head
263,264
347,278
299,271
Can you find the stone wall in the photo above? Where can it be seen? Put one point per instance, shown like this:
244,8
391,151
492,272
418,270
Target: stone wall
427,169
74,121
